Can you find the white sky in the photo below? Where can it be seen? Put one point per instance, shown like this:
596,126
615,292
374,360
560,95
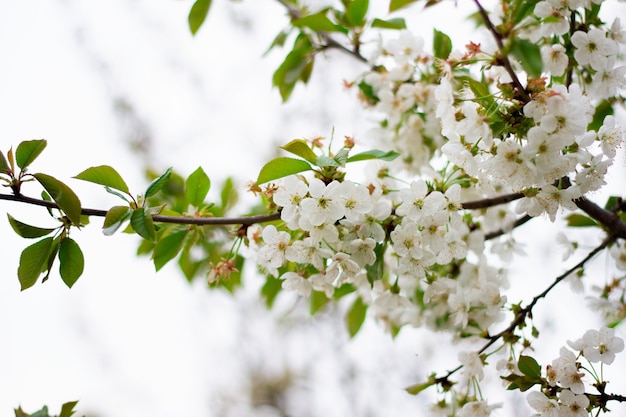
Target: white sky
126,341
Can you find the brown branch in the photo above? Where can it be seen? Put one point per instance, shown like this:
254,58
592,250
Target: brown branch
613,223
202,221
522,220
490,202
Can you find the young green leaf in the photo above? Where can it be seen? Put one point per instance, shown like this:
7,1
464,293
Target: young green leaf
417,388
319,23
396,23
301,148
114,219
141,223
197,187
27,151
62,195
296,67
356,316
356,11
317,300
67,409
529,366
4,165
156,185
71,261
579,220
442,44
374,154
270,290
104,175
32,261
198,14
27,231
528,54
399,4
281,167
167,248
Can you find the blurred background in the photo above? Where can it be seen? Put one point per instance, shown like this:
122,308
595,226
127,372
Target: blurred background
124,83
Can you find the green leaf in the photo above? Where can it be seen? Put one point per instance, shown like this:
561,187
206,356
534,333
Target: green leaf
270,290
356,12
356,316
319,23
197,187
67,409
399,4
167,248
4,165
281,167
279,40
62,195
141,223
114,219
318,300
228,196
27,231
32,260
528,54
27,151
302,149
442,44
156,185
529,366
481,91
198,14
374,154
104,175
71,261
611,202
605,108
417,388
579,220
324,161
396,23
296,67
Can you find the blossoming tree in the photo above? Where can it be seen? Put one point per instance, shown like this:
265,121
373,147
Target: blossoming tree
475,141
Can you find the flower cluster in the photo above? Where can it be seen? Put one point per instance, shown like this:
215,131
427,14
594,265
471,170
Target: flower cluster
565,390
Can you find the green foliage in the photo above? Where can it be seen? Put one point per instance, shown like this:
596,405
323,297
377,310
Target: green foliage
65,198
158,183
302,149
167,248
356,10
4,165
356,316
142,224
396,23
27,231
281,167
67,410
532,374
71,261
442,44
605,108
319,23
374,154
197,187
27,151
297,66
104,175
580,220
114,219
198,14
399,4
33,262
528,54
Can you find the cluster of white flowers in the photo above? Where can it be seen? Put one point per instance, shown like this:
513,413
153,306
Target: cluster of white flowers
565,373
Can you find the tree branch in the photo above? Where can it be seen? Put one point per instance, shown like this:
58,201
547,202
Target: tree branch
202,221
